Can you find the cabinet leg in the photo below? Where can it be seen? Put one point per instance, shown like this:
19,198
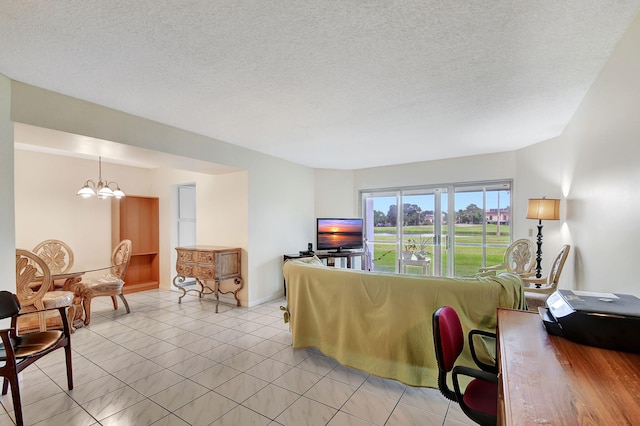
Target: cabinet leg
177,280
217,291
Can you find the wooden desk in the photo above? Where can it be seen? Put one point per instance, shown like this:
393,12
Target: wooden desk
204,263
550,380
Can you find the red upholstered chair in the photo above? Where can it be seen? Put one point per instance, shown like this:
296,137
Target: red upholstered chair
480,398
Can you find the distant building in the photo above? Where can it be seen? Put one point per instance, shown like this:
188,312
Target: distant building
491,216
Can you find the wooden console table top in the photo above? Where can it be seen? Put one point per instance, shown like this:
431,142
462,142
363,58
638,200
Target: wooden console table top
548,379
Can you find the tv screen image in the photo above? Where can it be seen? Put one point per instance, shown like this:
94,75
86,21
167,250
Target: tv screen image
339,234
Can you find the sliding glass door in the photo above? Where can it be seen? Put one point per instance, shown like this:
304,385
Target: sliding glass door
381,232
422,227
434,233
482,226
407,239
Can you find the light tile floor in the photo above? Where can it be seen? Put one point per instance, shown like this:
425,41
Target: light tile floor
183,364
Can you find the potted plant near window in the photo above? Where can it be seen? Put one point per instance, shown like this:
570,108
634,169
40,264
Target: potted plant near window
409,248
417,248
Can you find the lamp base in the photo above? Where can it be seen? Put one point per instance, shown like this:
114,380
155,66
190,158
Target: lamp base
539,253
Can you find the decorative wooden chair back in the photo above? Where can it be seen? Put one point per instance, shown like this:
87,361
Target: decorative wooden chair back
56,254
520,257
120,259
556,267
31,269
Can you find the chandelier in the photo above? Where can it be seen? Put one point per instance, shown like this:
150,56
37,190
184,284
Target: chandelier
102,189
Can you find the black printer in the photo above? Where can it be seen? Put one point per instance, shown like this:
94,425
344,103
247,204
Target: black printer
604,320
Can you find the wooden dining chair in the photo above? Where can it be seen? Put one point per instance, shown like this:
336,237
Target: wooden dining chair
57,255
33,281
519,258
59,258
110,284
21,350
536,290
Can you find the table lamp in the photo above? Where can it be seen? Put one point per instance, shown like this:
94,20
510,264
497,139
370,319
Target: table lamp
547,209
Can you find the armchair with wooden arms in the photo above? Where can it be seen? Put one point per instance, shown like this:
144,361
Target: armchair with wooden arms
111,284
59,258
536,290
18,351
518,258
33,284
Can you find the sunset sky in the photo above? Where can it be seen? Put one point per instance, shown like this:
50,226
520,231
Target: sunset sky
339,225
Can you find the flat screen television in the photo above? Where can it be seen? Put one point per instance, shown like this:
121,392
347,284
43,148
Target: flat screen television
338,234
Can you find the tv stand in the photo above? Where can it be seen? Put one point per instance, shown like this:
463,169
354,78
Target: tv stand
330,258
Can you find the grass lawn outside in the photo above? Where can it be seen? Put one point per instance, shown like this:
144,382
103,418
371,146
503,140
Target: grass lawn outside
468,247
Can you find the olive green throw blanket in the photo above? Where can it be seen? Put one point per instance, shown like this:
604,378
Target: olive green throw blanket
381,323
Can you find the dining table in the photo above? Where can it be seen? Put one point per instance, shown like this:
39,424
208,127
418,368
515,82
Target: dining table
72,281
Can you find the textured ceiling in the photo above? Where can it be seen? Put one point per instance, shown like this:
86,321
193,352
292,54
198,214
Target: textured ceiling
329,84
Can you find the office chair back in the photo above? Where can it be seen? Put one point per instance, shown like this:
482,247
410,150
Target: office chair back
480,398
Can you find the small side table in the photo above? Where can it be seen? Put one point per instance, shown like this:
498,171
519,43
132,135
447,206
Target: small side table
417,262
204,263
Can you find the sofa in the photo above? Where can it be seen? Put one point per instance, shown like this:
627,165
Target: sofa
380,323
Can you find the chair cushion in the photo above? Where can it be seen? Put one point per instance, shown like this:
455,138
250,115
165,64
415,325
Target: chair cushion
106,283
30,344
57,299
482,396
534,300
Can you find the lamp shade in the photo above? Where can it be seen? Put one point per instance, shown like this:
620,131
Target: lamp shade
104,192
543,209
86,191
118,193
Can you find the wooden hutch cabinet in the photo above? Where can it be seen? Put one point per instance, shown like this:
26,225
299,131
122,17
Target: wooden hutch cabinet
137,219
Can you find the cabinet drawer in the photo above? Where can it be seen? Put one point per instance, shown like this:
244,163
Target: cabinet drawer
204,272
206,257
185,269
186,256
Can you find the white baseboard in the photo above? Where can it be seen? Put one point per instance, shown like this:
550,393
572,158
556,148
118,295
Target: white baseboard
230,300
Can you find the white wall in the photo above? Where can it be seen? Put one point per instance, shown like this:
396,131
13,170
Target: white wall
465,169
280,193
222,217
540,173
280,201
7,227
280,212
595,165
47,206
221,214
337,191
334,194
